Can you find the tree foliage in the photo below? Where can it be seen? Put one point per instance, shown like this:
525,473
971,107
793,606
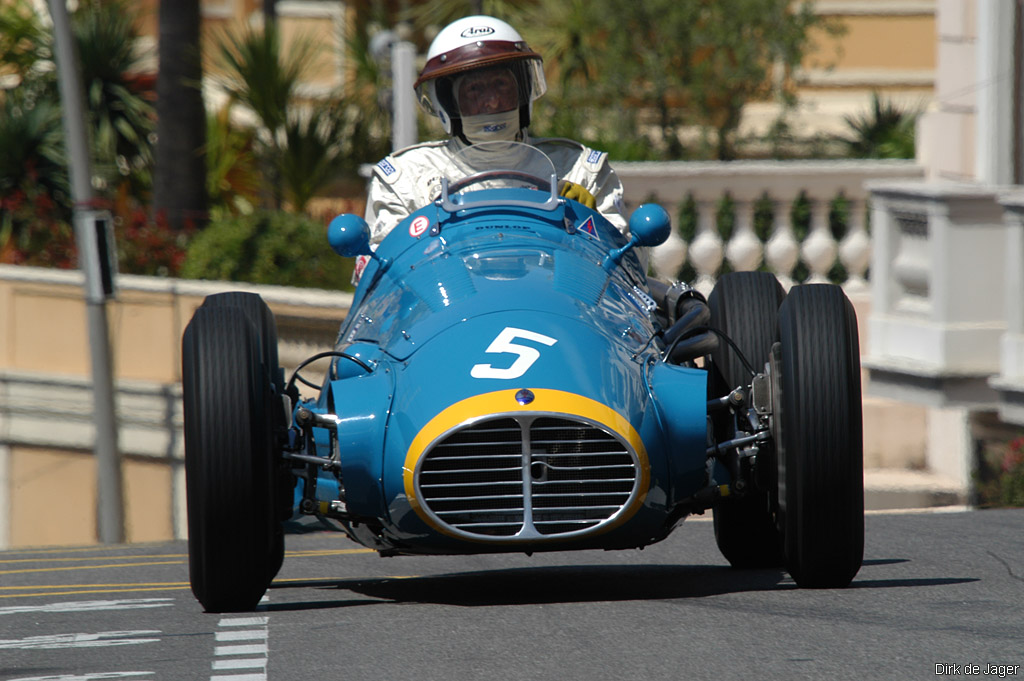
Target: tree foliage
636,74
35,201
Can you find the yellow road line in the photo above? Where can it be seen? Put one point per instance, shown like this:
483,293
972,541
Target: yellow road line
90,586
88,567
340,580
67,549
82,589
76,560
42,591
76,592
311,553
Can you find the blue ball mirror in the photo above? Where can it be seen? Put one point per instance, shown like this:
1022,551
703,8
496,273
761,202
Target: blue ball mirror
650,225
349,235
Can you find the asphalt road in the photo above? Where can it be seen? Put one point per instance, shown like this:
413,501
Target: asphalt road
939,593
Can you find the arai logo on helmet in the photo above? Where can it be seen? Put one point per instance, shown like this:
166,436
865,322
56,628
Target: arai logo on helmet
477,31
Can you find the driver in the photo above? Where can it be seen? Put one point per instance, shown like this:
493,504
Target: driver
481,80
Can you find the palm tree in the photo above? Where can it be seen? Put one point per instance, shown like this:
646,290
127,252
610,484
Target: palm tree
117,92
302,145
887,131
179,186
23,41
257,73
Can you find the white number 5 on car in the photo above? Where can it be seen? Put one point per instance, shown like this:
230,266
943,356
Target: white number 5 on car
526,355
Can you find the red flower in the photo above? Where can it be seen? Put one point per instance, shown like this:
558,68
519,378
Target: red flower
1014,455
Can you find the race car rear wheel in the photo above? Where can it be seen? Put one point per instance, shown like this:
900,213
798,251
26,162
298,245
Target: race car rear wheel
744,306
229,459
256,309
819,436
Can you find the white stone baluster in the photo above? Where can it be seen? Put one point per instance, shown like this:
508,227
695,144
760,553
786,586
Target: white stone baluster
706,249
819,248
855,248
667,258
744,248
782,251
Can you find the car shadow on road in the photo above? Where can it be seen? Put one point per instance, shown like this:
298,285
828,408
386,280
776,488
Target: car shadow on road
569,584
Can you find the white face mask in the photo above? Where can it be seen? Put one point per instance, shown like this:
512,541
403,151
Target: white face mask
499,127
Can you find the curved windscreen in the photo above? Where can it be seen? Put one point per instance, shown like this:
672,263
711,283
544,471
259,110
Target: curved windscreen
498,165
494,243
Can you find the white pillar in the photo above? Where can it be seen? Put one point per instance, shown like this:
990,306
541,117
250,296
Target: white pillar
5,496
949,452
403,97
995,104
1010,381
179,501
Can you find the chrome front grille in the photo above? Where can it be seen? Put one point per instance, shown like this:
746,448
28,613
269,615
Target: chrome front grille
527,476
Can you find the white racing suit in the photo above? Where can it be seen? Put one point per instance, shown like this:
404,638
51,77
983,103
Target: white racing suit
410,178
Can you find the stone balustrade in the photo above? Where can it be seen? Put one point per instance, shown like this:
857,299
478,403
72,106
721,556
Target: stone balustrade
1010,381
938,309
751,186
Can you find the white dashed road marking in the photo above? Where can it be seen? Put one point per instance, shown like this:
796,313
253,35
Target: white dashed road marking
83,606
102,676
242,635
246,652
103,639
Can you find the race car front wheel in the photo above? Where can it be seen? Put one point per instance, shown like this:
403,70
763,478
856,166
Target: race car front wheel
229,459
818,433
262,318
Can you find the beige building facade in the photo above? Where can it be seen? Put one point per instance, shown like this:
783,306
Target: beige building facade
887,47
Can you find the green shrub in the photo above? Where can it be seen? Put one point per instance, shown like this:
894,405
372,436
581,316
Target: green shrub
267,247
1000,476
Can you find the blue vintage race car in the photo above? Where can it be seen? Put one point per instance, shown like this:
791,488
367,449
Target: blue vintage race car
509,380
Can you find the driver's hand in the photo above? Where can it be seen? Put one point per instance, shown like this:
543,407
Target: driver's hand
571,190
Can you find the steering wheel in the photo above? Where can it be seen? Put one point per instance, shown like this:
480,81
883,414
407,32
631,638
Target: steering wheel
518,175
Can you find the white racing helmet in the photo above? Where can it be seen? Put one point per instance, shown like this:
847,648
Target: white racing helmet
469,44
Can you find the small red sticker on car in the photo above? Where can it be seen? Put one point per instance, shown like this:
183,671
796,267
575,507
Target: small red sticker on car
357,272
419,225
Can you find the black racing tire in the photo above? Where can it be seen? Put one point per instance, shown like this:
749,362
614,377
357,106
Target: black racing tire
818,430
260,314
229,460
744,306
